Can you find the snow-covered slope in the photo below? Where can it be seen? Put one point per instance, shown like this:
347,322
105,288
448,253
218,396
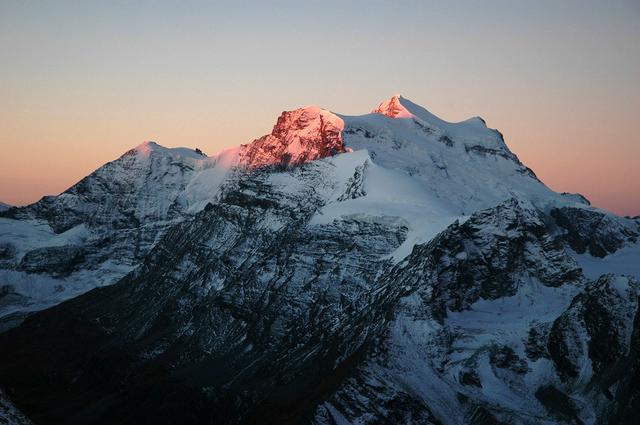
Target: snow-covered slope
9,414
384,268
99,229
298,136
96,231
497,324
466,165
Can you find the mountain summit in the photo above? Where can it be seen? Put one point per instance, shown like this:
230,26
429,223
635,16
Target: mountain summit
393,108
299,136
400,107
390,267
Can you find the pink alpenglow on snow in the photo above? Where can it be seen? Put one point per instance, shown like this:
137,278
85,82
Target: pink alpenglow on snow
393,108
299,136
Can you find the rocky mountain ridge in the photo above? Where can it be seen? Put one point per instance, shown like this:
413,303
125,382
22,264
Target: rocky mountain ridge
384,268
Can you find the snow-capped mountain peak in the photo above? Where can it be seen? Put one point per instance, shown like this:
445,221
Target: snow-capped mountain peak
147,147
399,107
393,108
298,136
150,147
391,267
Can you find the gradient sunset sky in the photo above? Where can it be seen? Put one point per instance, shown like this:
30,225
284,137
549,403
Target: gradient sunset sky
81,82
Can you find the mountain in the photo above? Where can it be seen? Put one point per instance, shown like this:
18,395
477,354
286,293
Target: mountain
385,268
99,229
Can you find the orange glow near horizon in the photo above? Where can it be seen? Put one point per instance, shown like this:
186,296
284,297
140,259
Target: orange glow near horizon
568,155
83,82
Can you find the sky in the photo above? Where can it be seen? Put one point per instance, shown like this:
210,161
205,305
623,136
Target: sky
81,82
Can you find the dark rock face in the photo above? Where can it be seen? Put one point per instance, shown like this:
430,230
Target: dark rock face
298,136
481,416
558,404
608,318
355,185
504,357
470,377
596,328
536,344
401,408
446,140
56,260
600,329
565,344
627,395
9,414
7,251
249,313
504,153
8,297
486,256
592,231
220,300
7,254
489,257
